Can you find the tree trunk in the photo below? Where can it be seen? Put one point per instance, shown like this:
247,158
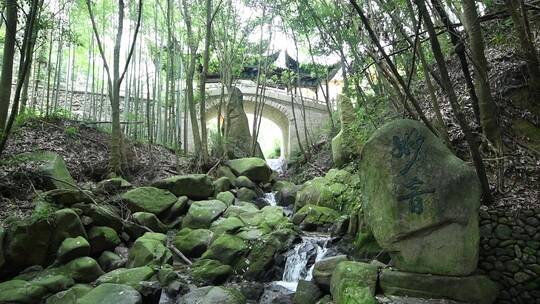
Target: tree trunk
7,62
456,107
487,107
528,49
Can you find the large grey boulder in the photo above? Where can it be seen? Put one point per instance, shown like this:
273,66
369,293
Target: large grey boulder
51,171
238,139
420,200
194,186
149,199
213,295
201,214
471,289
254,168
112,293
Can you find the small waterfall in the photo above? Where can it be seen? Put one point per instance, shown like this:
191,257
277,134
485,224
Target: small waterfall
302,258
277,164
270,197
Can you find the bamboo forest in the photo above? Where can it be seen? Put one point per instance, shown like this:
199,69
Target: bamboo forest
270,152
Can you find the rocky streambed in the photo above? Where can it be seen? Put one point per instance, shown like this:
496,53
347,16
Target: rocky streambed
184,239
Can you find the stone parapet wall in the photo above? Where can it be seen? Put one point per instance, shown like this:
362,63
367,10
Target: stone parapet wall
510,252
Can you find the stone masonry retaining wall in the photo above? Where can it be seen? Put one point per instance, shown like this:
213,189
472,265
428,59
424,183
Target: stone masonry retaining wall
510,252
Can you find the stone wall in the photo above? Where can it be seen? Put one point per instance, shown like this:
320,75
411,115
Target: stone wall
510,252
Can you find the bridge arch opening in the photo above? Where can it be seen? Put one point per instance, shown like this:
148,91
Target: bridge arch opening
274,128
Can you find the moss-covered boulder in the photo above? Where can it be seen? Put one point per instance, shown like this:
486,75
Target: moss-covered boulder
150,221
246,195
258,264
111,293
224,171
213,295
103,215
338,190
254,168
193,242
109,261
112,185
51,171
471,289
307,292
229,225
345,145
72,248
222,184
102,238
53,281
323,269
149,199
149,249
226,197
315,218
84,270
285,193
207,271
67,197
69,296
269,218
240,208
128,276
244,182
201,214
227,249
28,236
420,200
19,291
194,186
354,282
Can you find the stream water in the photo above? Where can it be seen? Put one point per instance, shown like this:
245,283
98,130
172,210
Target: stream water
301,259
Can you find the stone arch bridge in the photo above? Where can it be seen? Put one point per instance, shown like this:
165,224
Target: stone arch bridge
278,108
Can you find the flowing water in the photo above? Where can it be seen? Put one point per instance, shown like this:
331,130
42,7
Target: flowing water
277,164
302,258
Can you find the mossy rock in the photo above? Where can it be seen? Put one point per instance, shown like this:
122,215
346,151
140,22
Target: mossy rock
229,225
149,199
307,292
128,276
240,208
193,242
102,238
353,279
84,270
315,218
149,249
323,269
69,296
254,168
28,236
419,200
103,215
194,186
525,129
67,197
471,289
53,282
19,291
213,295
226,197
112,293
210,271
51,171
113,185
109,261
244,182
72,248
222,184
246,195
149,220
227,249
201,214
